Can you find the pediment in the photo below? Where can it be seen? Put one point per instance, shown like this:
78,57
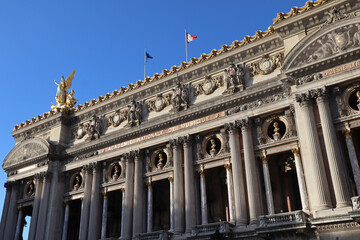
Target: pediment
331,44
26,152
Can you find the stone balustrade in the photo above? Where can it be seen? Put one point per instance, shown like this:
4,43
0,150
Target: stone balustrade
157,235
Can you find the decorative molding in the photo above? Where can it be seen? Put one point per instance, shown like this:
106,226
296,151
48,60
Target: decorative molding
208,85
159,103
266,65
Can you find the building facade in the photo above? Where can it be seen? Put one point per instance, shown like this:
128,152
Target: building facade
256,140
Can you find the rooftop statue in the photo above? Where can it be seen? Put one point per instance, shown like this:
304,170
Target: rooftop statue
63,98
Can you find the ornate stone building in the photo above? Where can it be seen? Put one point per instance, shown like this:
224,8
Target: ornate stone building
256,140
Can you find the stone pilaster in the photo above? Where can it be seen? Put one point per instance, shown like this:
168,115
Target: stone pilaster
171,181
250,169
237,174
36,207
353,159
179,206
230,187
149,207
95,203
66,221
122,210
337,171
129,196
85,209
7,185
41,223
12,213
301,179
268,189
138,193
204,218
19,224
104,216
190,217
315,174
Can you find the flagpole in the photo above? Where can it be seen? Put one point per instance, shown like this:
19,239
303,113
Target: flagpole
145,63
186,46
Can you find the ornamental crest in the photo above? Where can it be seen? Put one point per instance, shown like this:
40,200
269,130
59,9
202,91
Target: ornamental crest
266,65
117,118
159,103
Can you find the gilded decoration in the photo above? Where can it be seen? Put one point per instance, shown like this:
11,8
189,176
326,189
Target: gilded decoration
266,65
208,85
64,99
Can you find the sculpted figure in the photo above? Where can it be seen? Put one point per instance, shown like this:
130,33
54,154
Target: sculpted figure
134,114
234,78
77,182
31,189
356,38
358,99
94,129
160,164
213,150
63,98
180,98
116,172
231,76
276,134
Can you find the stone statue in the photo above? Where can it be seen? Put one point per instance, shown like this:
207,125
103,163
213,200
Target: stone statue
160,164
276,134
134,114
213,150
180,98
94,128
30,191
63,98
77,182
116,172
234,78
358,99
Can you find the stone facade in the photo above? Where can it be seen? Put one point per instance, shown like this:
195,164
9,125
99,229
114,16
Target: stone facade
258,140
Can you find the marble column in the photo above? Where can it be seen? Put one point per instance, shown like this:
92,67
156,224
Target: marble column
41,223
301,180
230,186
104,216
250,169
337,170
138,193
7,185
85,208
66,220
95,203
171,181
204,218
353,159
129,197
179,206
12,213
268,189
122,209
315,174
149,207
190,216
19,224
35,211
238,176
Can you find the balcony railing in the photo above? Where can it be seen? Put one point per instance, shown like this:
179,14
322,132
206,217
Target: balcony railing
283,219
158,235
211,228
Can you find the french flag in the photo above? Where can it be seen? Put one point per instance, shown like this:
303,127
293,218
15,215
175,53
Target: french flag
190,37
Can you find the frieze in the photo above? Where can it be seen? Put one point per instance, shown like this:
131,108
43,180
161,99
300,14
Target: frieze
117,118
308,78
266,65
159,103
208,85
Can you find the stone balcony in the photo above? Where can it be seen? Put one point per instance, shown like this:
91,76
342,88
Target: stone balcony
158,235
210,230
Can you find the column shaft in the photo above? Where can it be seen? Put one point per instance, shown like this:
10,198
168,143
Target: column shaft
122,210
138,194
11,215
150,208
129,196
19,225
35,211
204,218
190,216
315,174
95,204
85,208
250,169
171,180
301,180
238,178
104,217
268,189
337,172
230,186
353,159
5,210
40,228
66,221
178,190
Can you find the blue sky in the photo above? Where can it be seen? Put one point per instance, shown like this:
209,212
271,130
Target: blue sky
104,41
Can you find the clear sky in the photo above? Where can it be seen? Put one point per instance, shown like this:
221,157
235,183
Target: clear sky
104,41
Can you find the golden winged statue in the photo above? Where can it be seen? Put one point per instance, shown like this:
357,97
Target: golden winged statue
63,98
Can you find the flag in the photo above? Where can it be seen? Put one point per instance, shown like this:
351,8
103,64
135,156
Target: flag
190,37
147,55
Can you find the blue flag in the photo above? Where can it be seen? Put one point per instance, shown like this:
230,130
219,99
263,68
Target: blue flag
147,56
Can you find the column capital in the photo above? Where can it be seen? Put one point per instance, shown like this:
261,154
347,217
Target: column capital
347,133
320,94
128,157
187,141
137,154
122,189
227,166
296,151
86,168
232,127
245,124
149,183
264,159
45,176
201,171
171,179
175,143
304,99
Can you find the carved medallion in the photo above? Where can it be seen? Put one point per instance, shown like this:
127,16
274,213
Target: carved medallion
159,103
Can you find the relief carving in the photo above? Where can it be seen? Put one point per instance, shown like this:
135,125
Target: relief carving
159,103
134,114
93,129
209,85
234,78
117,118
180,98
266,65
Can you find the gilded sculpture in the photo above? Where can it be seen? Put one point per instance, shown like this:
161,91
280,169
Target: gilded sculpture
64,99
